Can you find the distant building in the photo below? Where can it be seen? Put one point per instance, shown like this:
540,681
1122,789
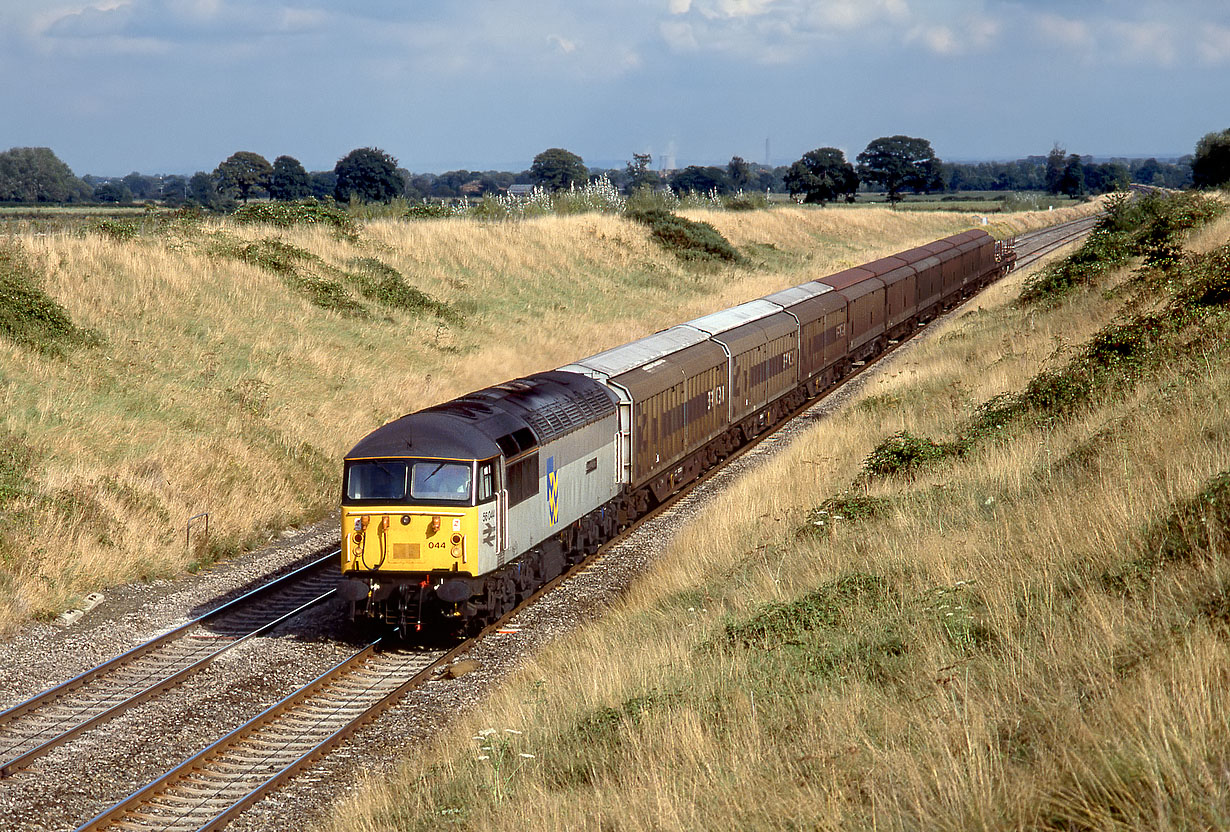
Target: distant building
520,190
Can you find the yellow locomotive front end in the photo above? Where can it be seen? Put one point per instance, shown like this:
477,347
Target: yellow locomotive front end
411,534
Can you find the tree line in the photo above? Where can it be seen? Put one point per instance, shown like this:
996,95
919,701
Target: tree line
895,165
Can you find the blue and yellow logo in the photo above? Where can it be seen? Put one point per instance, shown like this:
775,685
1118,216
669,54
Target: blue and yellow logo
552,491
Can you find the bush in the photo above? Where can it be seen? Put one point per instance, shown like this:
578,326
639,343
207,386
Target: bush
385,285
432,211
305,212
1143,226
28,315
741,201
903,453
686,239
119,230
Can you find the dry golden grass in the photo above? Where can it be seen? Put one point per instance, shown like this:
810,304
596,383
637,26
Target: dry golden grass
217,387
999,679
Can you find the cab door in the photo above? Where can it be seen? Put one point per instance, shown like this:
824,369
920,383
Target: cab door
492,513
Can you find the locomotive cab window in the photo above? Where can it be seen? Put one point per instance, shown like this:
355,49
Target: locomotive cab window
486,482
377,481
431,480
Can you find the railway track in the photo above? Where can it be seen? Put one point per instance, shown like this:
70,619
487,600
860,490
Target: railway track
211,788
1033,246
50,719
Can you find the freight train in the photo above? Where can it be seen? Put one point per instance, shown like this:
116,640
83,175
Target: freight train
457,512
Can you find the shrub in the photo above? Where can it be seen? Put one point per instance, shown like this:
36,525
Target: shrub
1143,226
903,453
385,285
305,212
686,239
431,211
28,315
119,230
741,201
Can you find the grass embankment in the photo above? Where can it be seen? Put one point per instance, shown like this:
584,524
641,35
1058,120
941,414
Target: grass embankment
1031,634
189,365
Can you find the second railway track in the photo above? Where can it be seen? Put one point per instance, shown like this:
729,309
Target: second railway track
50,719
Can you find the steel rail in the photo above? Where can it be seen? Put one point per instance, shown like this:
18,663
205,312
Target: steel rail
34,707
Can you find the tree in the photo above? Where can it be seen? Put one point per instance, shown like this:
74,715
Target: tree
289,180
739,172
140,185
174,191
701,180
899,162
242,172
324,183
203,191
367,174
115,191
822,175
1072,180
639,174
1056,161
556,169
35,174
1211,166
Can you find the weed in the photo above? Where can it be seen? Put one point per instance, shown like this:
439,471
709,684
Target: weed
385,285
846,508
755,201
1147,226
16,462
1196,526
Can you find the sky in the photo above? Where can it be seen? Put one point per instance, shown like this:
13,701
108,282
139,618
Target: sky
176,86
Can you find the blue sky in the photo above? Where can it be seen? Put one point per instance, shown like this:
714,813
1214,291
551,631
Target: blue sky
176,86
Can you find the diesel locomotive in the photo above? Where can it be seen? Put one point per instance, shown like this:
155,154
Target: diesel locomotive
457,512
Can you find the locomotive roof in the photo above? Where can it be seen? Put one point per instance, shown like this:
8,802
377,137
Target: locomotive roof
508,418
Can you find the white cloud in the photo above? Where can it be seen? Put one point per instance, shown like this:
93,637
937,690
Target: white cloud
679,36
1213,45
562,44
1149,42
1063,32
